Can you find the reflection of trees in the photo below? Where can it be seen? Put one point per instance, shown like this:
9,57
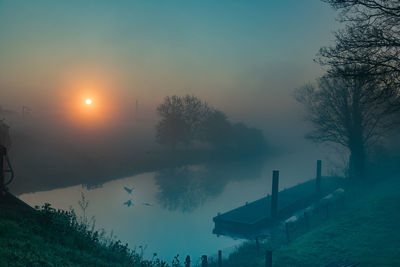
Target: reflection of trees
187,188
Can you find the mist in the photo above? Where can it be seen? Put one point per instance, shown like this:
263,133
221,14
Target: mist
183,133
130,70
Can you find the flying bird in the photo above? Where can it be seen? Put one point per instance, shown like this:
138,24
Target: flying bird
129,190
128,203
146,204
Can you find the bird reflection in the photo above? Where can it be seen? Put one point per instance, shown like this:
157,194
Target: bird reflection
128,203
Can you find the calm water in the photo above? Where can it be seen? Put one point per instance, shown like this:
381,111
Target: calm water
172,210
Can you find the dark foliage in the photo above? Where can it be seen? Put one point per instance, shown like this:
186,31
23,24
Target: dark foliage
181,119
351,111
50,237
186,120
371,38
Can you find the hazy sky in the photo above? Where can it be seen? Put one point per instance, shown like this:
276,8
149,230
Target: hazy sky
244,57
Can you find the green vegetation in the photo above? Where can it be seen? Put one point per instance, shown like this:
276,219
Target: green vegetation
49,237
365,233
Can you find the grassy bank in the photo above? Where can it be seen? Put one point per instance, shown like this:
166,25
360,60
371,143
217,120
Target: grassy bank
49,237
366,232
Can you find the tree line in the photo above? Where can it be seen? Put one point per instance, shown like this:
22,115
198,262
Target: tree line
186,121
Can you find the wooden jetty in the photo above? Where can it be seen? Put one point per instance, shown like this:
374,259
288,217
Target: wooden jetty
256,218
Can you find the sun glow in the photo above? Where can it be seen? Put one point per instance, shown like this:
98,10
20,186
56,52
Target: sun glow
88,97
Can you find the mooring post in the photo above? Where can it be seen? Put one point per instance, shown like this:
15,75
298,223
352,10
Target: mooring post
187,261
204,262
287,232
219,258
3,152
307,221
268,258
258,246
327,210
318,178
274,197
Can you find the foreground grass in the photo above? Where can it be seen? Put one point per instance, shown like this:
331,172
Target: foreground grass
365,232
49,237
368,233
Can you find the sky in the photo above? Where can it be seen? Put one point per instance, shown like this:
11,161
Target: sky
243,57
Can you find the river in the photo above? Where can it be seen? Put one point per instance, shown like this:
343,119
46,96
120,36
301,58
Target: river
171,211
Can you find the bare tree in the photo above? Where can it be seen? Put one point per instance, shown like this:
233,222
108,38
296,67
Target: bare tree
349,110
371,38
181,119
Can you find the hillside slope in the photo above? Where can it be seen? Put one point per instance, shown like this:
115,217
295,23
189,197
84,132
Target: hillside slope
49,237
367,233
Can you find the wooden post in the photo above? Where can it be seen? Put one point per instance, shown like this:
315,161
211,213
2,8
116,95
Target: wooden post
274,197
187,261
287,232
318,178
257,246
204,262
219,258
3,152
268,258
327,210
307,221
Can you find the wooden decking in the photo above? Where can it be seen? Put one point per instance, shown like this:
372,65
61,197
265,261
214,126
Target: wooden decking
254,219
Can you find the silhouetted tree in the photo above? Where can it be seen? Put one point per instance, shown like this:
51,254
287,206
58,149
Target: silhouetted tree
371,38
187,119
349,110
181,119
217,130
247,140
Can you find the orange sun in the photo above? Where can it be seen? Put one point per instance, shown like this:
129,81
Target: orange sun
88,101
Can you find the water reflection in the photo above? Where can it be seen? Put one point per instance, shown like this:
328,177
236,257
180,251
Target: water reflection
168,231
187,188
128,203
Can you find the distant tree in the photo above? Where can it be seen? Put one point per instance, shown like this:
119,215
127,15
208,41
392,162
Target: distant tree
217,130
181,119
349,110
188,119
196,112
247,140
172,128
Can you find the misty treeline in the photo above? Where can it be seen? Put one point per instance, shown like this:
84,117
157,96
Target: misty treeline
356,103
58,154
188,121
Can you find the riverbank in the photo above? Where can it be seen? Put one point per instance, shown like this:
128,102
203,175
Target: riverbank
49,237
364,233
38,174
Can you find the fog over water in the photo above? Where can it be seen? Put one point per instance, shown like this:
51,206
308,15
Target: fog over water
168,215
126,57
